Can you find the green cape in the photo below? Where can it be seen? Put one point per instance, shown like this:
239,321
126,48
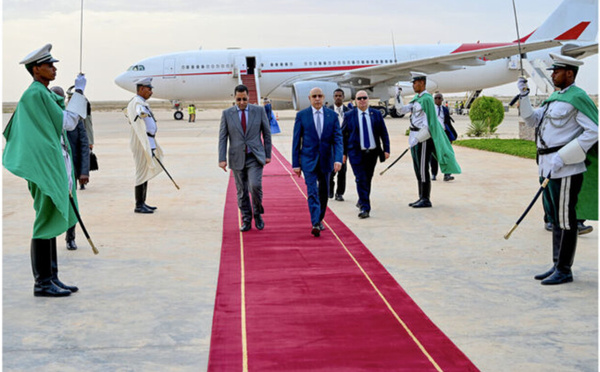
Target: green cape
33,152
587,203
443,149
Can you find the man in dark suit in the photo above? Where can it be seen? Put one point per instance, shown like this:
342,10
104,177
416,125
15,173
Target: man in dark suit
446,120
246,126
365,140
340,109
317,150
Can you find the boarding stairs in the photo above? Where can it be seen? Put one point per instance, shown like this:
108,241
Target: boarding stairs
251,81
472,97
536,69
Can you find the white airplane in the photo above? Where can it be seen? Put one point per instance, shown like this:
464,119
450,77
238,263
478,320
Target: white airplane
289,74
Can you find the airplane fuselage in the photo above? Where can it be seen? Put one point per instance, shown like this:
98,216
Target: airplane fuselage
210,75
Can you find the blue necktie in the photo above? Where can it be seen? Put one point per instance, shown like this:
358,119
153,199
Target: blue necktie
366,140
319,125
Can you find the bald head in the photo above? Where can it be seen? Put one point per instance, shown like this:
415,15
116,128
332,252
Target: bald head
58,90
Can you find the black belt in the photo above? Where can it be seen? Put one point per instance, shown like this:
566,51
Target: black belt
549,150
369,150
150,135
414,129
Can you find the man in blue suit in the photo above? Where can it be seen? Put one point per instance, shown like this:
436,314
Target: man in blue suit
365,134
317,150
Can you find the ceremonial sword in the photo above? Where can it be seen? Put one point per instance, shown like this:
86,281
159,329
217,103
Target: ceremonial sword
535,198
165,169
395,161
81,223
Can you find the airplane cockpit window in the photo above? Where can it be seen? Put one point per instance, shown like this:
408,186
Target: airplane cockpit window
136,68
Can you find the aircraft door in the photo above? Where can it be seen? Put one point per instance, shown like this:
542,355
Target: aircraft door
169,68
251,63
240,64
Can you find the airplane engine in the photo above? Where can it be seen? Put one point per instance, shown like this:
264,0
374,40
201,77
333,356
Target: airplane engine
301,89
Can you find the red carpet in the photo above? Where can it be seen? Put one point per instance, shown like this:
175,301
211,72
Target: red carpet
287,301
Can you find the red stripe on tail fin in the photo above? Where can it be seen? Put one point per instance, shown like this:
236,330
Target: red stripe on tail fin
573,33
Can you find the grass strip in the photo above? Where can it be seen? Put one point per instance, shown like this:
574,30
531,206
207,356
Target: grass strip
516,147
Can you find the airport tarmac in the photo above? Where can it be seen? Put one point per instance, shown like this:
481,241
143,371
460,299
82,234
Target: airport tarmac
146,301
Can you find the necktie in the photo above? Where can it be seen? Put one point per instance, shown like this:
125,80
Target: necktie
439,110
244,121
366,140
319,125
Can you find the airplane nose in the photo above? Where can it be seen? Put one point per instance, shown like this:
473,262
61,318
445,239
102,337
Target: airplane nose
124,81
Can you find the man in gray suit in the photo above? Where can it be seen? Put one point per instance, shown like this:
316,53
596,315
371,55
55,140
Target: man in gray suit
243,125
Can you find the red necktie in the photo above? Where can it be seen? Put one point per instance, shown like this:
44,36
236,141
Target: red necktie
244,121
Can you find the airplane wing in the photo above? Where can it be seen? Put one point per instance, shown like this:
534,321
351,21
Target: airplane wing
579,51
466,55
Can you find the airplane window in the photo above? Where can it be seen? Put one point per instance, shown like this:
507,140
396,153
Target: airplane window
212,66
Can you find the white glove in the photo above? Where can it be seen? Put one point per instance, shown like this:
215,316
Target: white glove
556,163
80,82
412,142
522,85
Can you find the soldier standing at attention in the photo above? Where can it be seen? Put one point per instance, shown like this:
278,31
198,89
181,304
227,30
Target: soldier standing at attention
38,151
143,143
566,129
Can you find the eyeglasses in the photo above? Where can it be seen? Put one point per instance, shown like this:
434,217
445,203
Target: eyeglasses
362,98
241,99
317,96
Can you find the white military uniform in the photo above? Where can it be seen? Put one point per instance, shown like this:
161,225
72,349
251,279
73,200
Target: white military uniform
143,127
559,125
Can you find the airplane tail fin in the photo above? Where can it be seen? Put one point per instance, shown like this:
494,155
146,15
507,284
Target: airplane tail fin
572,20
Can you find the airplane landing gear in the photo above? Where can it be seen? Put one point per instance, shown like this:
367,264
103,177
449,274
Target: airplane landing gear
177,115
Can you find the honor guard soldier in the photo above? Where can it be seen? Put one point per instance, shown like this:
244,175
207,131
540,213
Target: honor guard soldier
143,143
427,138
38,151
566,127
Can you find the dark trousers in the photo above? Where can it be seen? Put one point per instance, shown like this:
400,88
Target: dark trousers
248,182
341,179
421,155
317,187
560,198
363,173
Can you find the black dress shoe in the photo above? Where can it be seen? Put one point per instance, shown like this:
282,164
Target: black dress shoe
245,226
143,209
548,226
363,214
583,229
258,222
545,275
433,177
448,178
316,231
413,203
59,284
423,203
339,198
321,226
358,205
558,278
49,289
71,245
150,207
82,187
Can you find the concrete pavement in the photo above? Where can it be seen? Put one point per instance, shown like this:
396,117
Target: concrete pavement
146,301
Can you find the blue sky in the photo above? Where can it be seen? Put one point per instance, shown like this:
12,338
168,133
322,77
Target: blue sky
116,34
